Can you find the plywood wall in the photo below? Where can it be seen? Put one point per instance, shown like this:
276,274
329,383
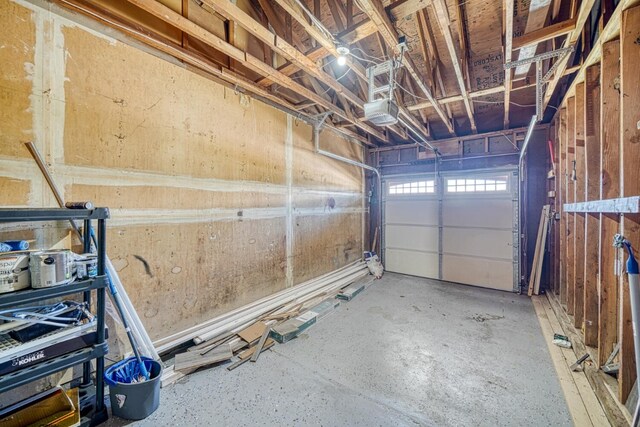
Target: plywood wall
222,196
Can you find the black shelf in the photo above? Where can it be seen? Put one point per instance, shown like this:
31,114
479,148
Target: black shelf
84,356
51,214
32,295
41,370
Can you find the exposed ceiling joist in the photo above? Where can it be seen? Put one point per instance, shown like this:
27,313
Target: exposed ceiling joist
538,12
296,13
572,37
458,98
177,20
402,9
442,15
476,94
377,14
233,13
544,34
425,32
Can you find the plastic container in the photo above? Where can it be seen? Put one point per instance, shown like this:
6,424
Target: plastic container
136,400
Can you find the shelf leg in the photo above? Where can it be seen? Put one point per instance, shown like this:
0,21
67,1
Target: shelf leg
86,243
102,247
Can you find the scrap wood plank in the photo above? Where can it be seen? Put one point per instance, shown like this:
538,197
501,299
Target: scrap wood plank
213,343
543,247
253,332
258,349
572,383
246,355
538,257
594,375
193,360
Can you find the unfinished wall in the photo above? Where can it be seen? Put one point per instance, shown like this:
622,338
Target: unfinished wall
222,196
598,152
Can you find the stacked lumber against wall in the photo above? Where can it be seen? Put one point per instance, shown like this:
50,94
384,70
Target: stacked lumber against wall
217,200
601,114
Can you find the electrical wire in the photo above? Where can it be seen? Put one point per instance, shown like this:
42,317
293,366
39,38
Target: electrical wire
380,59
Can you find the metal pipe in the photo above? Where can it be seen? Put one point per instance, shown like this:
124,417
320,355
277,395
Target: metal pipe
316,144
523,151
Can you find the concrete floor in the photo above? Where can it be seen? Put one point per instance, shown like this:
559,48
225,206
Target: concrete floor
407,351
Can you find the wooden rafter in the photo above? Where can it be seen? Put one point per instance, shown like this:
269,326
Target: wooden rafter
442,15
194,30
458,98
544,34
377,14
232,12
297,14
425,32
572,37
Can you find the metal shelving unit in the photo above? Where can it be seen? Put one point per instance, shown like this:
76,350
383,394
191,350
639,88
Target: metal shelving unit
92,407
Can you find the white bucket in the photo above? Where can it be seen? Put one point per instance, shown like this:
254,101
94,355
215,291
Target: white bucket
51,268
14,272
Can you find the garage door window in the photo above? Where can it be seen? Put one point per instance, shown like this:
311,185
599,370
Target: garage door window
472,185
412,187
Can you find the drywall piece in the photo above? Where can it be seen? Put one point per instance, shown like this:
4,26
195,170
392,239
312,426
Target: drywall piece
190,360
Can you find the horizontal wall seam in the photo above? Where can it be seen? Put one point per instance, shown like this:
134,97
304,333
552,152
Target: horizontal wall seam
83,175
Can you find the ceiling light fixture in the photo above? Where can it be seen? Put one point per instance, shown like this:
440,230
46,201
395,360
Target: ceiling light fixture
343,51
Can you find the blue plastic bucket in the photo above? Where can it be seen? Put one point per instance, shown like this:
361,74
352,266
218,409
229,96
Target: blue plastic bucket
133,400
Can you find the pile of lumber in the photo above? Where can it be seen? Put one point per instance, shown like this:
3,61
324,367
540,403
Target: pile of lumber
253,328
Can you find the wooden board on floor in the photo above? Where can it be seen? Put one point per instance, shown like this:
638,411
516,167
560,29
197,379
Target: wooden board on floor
594,374
253,332
249,352
584,407
192,359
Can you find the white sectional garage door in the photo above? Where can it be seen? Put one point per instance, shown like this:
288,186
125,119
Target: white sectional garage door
459,227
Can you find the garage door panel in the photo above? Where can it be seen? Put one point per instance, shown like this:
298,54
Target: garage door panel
477,212
414,211
491,243
423,238
461,233
413,263
487,273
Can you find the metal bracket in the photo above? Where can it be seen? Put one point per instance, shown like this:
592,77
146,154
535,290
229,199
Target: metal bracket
541,79
319,119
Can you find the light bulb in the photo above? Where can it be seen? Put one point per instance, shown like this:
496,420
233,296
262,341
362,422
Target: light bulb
342,60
